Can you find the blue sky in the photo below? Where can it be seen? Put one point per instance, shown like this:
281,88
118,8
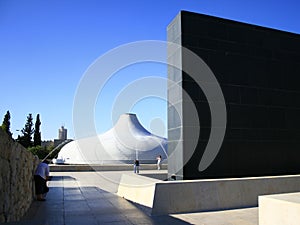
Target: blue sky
46,46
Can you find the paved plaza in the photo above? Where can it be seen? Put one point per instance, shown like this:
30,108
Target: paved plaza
90,198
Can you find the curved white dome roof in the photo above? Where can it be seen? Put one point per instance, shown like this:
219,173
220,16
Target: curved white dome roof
126,141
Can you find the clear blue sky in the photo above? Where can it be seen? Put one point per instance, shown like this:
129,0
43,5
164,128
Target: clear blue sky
46,46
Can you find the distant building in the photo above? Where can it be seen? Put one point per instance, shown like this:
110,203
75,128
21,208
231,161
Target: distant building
62,136
62,133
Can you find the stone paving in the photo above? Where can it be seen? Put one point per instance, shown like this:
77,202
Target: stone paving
90,198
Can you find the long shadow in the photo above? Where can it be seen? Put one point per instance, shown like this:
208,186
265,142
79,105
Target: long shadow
58,178
88,205
109,207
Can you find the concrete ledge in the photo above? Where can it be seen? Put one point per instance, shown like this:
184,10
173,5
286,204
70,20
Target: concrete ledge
279,209
157,176
218,194
108,167
204,195
138,189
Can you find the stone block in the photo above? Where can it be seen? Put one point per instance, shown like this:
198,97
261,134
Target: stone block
279,209
138,189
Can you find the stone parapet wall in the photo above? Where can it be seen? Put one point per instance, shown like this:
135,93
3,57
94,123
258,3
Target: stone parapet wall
104,167
203,195
17,167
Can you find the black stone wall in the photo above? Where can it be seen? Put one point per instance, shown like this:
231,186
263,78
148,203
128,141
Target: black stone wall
258,70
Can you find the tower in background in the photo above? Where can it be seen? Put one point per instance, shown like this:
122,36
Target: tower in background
62,133
62,136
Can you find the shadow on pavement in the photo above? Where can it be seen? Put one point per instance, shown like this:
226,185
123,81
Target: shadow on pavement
70,203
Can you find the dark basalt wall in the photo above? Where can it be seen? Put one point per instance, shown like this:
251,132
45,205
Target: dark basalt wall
258,70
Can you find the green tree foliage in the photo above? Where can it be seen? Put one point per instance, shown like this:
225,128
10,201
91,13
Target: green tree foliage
27,132
6,124
37,141
40,151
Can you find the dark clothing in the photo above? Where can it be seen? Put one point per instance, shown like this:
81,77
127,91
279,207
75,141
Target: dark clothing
136,166
136,162
40,185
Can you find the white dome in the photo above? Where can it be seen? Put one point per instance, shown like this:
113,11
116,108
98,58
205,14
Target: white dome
126,141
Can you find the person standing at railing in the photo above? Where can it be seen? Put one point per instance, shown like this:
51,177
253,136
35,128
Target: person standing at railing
158,161
136,166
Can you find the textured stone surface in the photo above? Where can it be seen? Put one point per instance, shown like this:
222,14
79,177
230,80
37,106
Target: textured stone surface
17,167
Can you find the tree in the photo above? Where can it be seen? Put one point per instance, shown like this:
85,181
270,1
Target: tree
6,124
39,151
27,132
37,141
42,152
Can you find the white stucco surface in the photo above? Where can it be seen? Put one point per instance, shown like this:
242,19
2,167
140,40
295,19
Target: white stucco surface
126,141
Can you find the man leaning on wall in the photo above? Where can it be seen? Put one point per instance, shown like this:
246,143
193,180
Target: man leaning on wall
41,177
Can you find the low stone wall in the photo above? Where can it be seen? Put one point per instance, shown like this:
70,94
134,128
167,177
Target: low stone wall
218,194
17,167
104,167
165,197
